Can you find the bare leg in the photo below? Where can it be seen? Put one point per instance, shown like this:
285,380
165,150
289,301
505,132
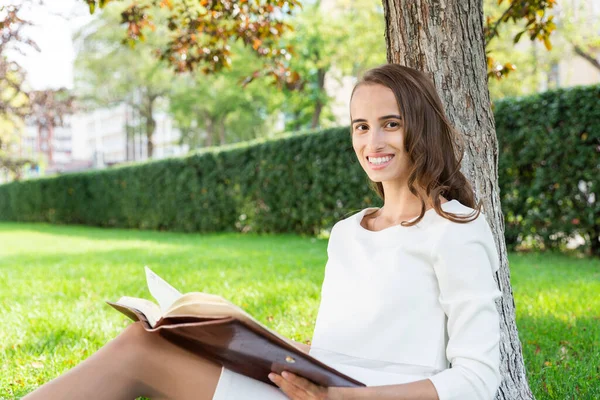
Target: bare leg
136,363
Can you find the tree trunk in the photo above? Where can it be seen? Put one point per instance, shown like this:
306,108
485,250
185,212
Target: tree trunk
316,119
50,144
222,138
150,125
150,128
445,39
127,131
594,242
40,129
209,131
589,57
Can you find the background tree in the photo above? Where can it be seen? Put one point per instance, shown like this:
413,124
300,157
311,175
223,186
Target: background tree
312,44
449,46
107,72
14,100
533,17
328,44
200,32
580,30
216,109
48,109
524,66
13,95
321,45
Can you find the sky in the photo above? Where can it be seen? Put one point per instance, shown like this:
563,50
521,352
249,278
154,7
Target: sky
54,22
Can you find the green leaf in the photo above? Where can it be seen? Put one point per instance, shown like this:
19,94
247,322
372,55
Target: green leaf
518,36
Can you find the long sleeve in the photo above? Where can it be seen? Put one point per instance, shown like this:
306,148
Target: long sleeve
464,259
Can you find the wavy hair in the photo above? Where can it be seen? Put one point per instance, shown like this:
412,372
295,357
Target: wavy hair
429,141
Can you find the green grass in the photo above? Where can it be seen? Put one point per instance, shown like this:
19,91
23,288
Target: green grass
54,280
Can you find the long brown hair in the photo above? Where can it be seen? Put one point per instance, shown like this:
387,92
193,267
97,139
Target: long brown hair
429,141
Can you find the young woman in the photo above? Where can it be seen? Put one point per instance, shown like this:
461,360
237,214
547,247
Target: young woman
408,303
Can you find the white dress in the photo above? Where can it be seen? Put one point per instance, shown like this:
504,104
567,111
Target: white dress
404,304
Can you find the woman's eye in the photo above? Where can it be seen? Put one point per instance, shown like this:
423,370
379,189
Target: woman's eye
393,124
361,127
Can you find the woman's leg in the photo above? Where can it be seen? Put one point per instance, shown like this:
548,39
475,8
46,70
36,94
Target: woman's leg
135,363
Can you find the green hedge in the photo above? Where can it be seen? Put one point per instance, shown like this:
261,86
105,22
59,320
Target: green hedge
549,166
549,144
298,183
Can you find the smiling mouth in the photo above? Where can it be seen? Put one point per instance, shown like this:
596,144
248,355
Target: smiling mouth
381,160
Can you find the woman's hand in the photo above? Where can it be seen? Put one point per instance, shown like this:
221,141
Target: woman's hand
299,388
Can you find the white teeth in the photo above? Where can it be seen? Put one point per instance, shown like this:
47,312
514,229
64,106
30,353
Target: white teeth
379,160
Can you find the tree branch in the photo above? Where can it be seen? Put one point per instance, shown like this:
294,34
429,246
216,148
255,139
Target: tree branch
587,56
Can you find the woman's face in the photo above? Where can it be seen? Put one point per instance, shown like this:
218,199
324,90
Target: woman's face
377,132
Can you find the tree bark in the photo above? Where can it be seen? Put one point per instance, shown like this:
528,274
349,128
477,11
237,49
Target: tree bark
49,139
150,125
222,138
594,234
316,119
589,57
209,131
445,40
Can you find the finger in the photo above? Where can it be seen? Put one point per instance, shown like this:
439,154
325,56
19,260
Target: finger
291,390
302,382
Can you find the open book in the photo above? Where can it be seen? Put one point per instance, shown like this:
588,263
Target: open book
214,328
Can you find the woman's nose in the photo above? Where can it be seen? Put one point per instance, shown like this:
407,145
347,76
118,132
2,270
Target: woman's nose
377,138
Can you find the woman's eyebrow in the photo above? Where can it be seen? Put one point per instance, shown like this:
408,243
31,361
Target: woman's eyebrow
380,118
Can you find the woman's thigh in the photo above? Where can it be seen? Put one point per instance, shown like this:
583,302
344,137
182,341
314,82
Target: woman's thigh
166,371
171,372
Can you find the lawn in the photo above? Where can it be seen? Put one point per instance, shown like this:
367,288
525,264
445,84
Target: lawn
54,281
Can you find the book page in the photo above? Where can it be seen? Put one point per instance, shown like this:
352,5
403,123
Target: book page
209,305
146,307
164,293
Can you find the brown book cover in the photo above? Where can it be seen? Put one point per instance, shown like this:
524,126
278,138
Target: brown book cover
216,329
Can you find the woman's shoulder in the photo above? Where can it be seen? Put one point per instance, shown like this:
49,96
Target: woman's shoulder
349,219
466,239
470,217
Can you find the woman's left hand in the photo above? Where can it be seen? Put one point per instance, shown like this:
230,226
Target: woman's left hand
299,388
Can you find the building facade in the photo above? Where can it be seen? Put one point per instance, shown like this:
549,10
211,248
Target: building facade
95,140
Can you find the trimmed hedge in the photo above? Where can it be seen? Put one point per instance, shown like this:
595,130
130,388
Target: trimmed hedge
549,167
298,183
305,182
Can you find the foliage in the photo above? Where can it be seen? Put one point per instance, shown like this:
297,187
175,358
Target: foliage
324,45
52,299
227,107
219,109
328,44
579,26
549,177
537,25
534,68
44,108
10,138
200,32
314,42
108,73
48,108
14,98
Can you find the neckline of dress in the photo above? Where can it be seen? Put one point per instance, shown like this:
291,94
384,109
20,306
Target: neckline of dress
360,216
